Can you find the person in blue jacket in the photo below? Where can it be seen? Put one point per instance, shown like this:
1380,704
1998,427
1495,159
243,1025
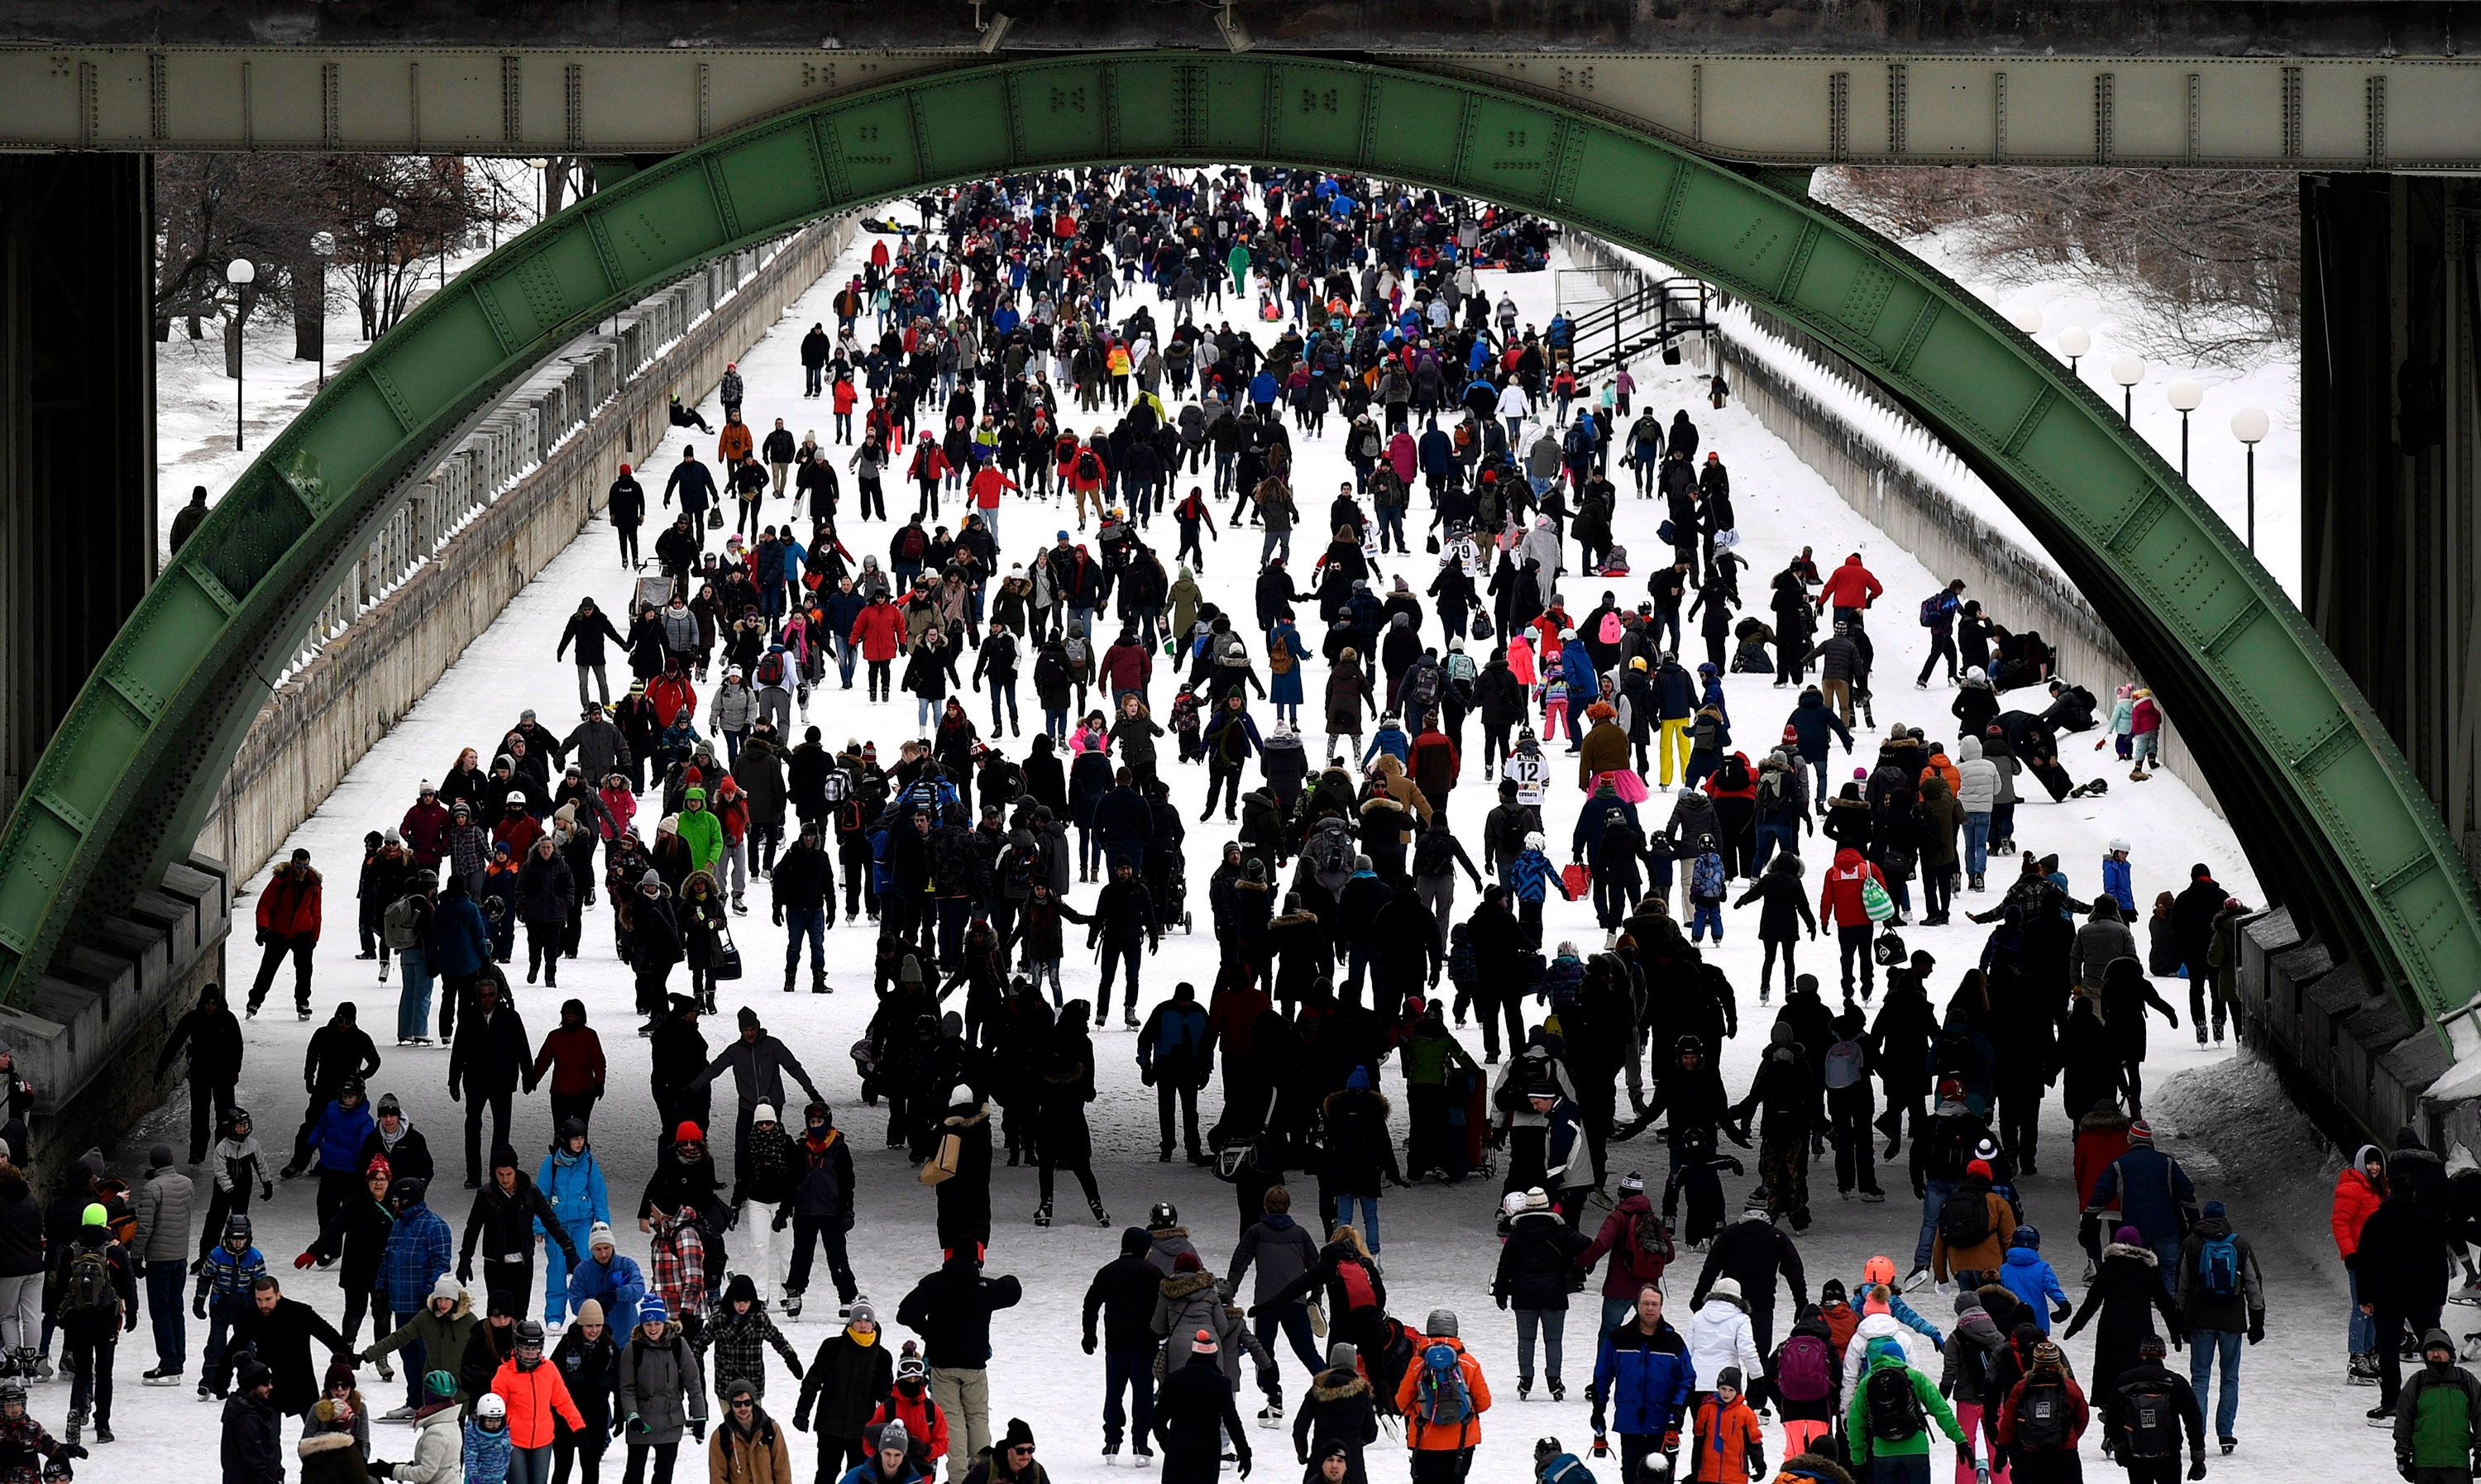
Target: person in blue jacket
571,1181
461,949
1584,687
2029,1275
2119,881
1642,1380
421,1250
1389,738
607,1278
336,1146
2152,1190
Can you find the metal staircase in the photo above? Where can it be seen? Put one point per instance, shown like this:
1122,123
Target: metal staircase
1650,315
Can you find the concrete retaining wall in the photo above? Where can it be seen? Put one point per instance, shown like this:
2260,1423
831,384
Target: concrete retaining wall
1885,486
489,517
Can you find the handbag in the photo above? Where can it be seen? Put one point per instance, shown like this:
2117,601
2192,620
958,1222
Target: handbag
1575,880
940,1166
727,956
715,517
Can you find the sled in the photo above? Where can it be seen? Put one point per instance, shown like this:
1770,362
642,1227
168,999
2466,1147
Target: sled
1469,1094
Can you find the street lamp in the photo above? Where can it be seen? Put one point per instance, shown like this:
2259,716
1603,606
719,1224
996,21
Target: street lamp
2249,426
2127,371
2074,342
241,273
2184,397
2029,320
322,246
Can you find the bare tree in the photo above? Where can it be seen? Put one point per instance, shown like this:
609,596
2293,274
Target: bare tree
2210,257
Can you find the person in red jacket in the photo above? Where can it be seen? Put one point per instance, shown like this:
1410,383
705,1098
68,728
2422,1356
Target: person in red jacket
879,632
928,467
425,828
573,1057
1852,588
2041,1418
2358,1189
1082,472
990,481
921,1423
1839,906
671,693
288,922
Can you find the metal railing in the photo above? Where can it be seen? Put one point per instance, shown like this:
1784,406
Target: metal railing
1648,315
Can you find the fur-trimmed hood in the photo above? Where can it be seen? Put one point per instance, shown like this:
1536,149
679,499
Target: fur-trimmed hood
1338,1385
2104,1121
1180,1286
2144,1255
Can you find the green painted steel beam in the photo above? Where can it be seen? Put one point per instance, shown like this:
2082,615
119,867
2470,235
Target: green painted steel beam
2323,800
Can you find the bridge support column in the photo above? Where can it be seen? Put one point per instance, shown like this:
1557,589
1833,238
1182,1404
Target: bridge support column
77,430
2391,455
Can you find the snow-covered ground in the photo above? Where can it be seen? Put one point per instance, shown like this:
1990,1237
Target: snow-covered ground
2217,462
2300,1424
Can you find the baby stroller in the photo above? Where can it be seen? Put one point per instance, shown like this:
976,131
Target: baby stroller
1167,882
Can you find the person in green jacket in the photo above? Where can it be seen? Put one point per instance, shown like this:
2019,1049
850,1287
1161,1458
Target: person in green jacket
1238,262
1430,1055
700,830
435,1338
1894,1456
2438,1418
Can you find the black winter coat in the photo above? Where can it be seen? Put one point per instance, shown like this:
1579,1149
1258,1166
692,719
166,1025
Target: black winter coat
504,1222
1123,1294
1340,1409
254,1440
1193,1413
845,1384
492,1052
1752,1254
951,1311
358,1231
592,1373
1538,1262
2402,1258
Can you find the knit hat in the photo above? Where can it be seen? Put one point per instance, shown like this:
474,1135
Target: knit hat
861,1310
893,1435
1980,1167
1187,1262
2140,1133
1967,1301
687,1133
1728,1379
160,1156
653,1311
590,1312
1343,1355
2047,1352
1725,1287
1632,1181
446,1287
1018,1435
2128,1236
599,1235
2213,1209
1831,1292
1203,1342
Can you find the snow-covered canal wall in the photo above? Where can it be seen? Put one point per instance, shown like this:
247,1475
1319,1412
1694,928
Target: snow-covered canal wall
470,535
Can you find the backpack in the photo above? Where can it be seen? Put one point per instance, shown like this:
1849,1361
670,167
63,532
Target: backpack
1089,467
770,669
915,542
1331,853
1611,630
1441,1399
1434,853
1805,1370
1774,788
1359,1293
1895,1413
1841,1067
1930,606
2219,1266
399,925
87,1292
1652,1235
1422,684
1705,878
2042,1416
1733,776
2150,1423
1965,1219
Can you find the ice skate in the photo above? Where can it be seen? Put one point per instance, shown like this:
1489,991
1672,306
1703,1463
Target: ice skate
1042,1215
1102,1218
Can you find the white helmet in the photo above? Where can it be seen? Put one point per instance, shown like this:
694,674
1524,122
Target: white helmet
516,796
1535,841
491,1405
2121,848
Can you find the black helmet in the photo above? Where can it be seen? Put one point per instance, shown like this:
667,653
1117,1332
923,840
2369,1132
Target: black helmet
1547,1447
12,1389
237,1226
406,1192
1164,1215
529,1332
1689,1045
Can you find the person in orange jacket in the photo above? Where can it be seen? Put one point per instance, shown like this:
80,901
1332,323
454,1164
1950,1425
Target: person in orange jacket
1729,1444
288,922
734,443
879,632
536,1394
911,1408
2360,1187
1441,1399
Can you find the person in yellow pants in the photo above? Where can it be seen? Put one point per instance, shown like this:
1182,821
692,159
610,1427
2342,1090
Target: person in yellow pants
1674,697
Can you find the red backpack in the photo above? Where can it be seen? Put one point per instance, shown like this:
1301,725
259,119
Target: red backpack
1359,1293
